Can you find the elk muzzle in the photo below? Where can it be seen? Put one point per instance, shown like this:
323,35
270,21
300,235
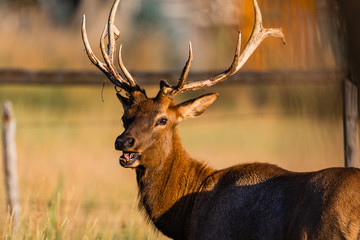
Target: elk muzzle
130,158
123,143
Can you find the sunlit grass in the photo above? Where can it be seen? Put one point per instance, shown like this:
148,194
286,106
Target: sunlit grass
72,186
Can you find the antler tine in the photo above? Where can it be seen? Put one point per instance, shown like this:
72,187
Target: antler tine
125,71
113,34
258,34
108,67
103,67
171,91
109,63
186,69
88,49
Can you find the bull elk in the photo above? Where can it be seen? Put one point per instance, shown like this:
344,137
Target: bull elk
186,199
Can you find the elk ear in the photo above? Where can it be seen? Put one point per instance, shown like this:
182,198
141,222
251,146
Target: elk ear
126,102
196,106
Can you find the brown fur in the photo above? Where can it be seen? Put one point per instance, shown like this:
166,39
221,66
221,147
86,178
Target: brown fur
186,199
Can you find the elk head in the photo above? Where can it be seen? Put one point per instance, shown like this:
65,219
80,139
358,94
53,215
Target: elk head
150,122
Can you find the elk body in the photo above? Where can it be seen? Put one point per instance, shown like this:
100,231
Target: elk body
186,199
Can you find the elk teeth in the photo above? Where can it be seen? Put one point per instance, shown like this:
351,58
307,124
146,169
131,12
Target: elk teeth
128,156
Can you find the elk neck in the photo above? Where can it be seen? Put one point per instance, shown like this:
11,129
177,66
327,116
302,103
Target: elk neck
167,192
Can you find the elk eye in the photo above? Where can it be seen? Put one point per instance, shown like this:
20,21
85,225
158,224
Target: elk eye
161,121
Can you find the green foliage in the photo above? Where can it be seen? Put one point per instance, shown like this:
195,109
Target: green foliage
53,229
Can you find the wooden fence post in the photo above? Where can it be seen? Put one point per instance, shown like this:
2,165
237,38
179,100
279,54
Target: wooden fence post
10,161
351,126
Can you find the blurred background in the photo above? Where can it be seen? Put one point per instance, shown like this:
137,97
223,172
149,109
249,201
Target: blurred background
70,182
45,34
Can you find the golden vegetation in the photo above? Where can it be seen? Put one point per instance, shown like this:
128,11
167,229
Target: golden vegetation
72,186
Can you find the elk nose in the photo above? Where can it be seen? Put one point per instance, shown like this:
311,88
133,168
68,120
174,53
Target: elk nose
122,143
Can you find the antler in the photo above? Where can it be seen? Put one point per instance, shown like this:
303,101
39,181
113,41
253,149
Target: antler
258,34
108,68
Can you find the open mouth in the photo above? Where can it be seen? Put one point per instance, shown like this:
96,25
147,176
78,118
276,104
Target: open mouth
130,159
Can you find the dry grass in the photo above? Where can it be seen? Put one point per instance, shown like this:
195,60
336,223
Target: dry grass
72,186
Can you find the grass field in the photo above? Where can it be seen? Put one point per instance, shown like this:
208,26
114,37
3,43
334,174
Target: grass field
72,186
